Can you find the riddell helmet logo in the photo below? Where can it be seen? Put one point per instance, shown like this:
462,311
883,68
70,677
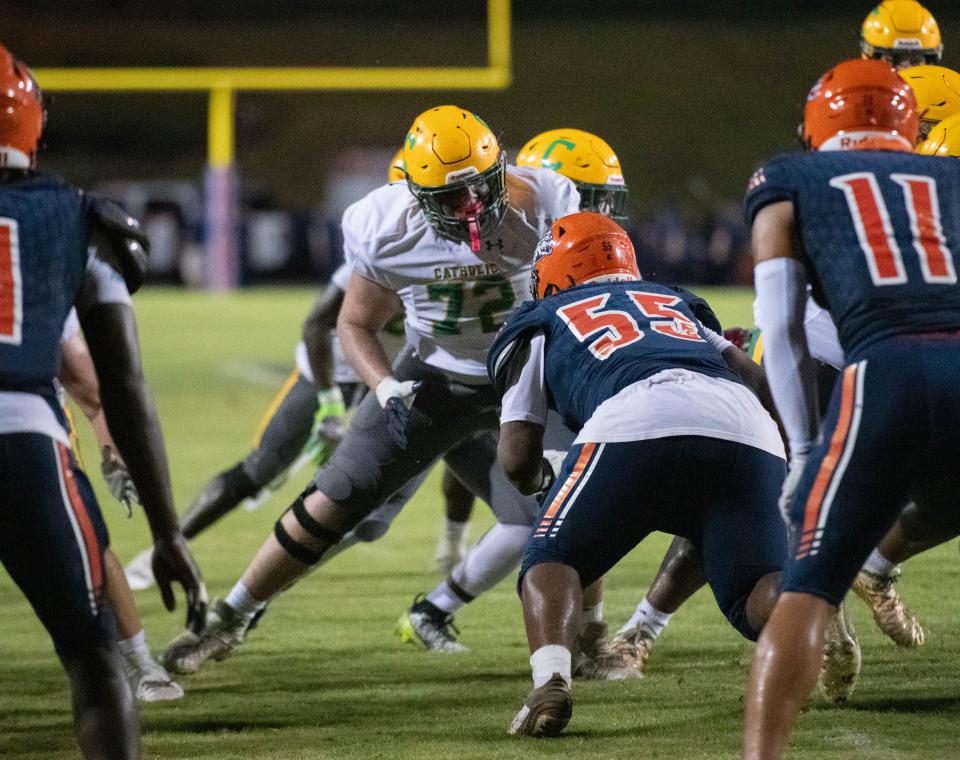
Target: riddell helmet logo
461,174
907,43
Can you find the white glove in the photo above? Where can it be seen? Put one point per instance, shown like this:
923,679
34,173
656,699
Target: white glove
390,387
798,463
555,460
119,482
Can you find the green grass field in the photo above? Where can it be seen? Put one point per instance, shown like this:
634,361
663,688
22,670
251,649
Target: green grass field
323,676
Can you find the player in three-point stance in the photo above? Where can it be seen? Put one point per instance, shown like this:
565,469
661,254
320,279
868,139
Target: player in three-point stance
628,365
60,247
876,230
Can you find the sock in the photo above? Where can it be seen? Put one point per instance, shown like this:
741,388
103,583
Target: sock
548,660
649,617
444,598
592,614
491,559
135,647
879,565
455,532
242,602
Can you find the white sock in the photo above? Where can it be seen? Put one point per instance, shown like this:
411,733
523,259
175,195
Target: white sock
241,601
494,557
444,598
455,532
879,565
649,617
591,615
135,647
548,660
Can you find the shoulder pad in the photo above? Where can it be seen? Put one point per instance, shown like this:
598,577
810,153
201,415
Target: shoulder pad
128,245
700,308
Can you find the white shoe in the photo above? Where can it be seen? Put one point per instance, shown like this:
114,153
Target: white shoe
633,646
225,630
150,682
884,602
595,659
139,571
841,658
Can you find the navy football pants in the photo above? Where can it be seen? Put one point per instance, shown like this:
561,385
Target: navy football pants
892,434
52,539
721,495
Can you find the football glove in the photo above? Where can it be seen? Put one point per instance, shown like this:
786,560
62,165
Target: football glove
328,428
550,467
119,482
798,463
397,398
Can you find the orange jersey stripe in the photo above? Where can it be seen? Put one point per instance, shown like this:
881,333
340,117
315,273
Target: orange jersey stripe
571,481
90,540
274,405
829,465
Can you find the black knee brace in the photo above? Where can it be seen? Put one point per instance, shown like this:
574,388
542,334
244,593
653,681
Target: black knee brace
298,551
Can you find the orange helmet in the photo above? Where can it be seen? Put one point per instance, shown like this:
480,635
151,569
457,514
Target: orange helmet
579,248
21,113
861,104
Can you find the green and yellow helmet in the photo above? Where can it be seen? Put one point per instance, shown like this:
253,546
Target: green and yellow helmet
944,139
587,160
938,94
901,32
457,172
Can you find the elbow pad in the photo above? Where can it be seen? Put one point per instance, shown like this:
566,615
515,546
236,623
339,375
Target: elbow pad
117,240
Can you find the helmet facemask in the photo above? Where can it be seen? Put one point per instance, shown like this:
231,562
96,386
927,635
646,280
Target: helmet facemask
609,200
468,208
903,58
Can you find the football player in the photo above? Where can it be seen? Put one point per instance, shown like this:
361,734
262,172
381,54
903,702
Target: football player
60,247
880,230
452,248
149,680
943,140
652,393
901,32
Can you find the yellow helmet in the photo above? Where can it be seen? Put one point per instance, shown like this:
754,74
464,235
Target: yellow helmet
398,170
901,32
944,139
587,160
457,172
938,94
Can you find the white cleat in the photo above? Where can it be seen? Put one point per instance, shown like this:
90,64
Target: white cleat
224,632
633,646
596,659
429,627
150,682
891,617
139,571
841,658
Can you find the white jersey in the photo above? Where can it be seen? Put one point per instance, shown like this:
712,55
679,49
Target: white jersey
454,299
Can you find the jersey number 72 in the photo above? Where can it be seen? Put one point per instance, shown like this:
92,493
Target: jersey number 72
587,317
11,285
871,219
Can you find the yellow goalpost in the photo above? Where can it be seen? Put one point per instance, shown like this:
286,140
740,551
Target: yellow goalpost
223,84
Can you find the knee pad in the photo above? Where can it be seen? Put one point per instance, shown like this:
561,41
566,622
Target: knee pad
370,530
298,551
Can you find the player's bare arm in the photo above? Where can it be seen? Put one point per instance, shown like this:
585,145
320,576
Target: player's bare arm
520,452
367,307
316,334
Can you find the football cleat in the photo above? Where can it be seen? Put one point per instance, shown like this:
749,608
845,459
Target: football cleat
633,645
841,658
546,710
426,625
149,681
595,659
225,631
889,614
139,571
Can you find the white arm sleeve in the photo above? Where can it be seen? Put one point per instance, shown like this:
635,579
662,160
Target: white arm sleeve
822,339
715,339
525,399
102,284
791,372
71,326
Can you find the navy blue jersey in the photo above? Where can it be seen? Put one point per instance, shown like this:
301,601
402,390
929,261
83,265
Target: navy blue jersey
602,337
881,233
43,254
